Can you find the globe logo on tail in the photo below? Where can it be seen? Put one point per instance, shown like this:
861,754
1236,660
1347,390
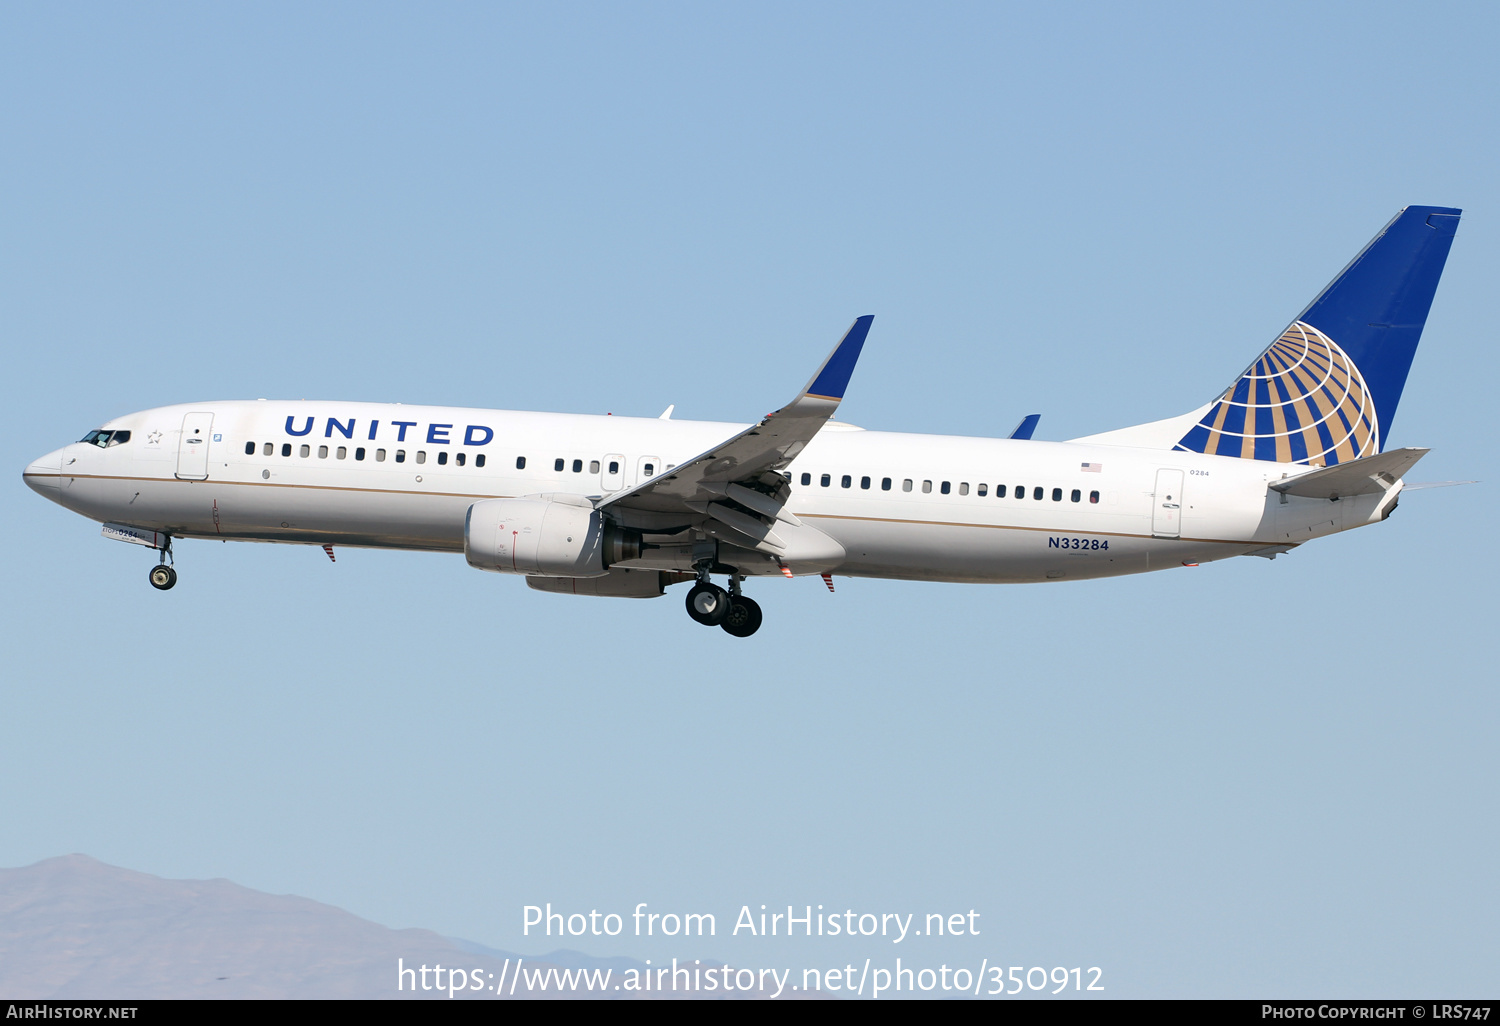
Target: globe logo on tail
1302,401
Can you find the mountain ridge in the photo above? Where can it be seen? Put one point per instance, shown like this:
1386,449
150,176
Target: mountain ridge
73,927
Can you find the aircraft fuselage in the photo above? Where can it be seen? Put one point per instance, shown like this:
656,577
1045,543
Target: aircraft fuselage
908,506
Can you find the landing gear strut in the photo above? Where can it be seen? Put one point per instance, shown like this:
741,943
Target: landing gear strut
712,606
163,576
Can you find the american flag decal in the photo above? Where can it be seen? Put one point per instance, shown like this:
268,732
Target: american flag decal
1092,468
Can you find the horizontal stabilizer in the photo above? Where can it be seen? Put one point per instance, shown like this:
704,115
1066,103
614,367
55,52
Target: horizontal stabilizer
1027,426
1357,477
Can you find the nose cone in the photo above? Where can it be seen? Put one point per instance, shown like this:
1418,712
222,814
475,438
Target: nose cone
44,475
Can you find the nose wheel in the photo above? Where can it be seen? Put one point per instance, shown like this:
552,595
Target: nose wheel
162,575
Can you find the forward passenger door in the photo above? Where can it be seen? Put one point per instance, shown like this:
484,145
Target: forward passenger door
192,448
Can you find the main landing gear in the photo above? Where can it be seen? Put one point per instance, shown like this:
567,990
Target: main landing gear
712,606
163,576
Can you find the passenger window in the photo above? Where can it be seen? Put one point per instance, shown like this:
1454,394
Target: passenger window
479,460
906,485
864,483
304,451
1077,495
379,455
322,452
1057,495
984,490
520,462
593,466
825,480
1093,497
442,457
286,449
400,455
999,491
885,484
249,448
557,465
269,450
807,479
926,487
614,467
846,481
460,458
578,466
1021,491
963,488
343,452
650,469
947,487
422,457
1037,493
359,453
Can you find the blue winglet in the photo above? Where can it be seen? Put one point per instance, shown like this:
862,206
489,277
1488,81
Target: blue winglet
1027,426
833,377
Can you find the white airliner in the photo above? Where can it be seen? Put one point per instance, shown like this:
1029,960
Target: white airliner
1292,450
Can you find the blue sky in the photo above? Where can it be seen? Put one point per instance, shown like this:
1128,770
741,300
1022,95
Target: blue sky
1250,778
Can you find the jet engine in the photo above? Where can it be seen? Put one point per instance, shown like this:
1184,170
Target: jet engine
545,536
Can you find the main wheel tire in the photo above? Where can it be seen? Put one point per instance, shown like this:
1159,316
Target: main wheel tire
163,577
708,604
743,618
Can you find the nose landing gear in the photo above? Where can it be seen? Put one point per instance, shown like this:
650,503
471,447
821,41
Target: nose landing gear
163,576
712,606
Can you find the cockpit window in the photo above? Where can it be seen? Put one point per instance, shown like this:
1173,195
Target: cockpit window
105,439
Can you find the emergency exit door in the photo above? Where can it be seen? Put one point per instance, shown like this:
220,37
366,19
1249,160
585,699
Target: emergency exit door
614,472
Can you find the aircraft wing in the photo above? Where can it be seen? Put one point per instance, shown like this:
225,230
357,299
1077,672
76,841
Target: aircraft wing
1356,477
738,483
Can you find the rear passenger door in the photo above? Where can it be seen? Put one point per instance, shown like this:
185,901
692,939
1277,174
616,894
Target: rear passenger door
1166,505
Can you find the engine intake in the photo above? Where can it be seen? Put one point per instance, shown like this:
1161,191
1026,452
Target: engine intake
545,536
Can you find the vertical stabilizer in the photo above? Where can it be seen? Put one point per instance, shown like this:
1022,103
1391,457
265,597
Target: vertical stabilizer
1326,390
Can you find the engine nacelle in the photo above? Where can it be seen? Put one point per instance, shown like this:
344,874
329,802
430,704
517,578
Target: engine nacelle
544,536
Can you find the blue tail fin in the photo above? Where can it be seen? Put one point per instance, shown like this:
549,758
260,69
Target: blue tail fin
1326,391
